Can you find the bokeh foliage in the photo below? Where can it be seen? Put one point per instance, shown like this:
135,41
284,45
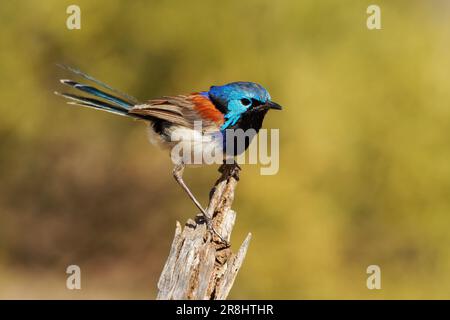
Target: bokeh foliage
364,175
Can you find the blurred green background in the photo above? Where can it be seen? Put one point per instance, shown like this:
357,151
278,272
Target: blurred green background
364,166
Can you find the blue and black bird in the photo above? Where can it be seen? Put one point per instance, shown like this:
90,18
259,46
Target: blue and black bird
237,105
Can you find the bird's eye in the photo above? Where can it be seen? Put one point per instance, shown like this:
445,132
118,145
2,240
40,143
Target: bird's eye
246,102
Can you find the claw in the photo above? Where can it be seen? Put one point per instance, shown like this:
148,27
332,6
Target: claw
209,225
232,170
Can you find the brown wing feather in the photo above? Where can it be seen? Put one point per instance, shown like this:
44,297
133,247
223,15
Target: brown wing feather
179,110
166,108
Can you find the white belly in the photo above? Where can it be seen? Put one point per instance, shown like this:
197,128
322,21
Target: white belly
192,146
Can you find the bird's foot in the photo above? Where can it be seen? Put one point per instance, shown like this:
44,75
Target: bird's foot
231,170
213,231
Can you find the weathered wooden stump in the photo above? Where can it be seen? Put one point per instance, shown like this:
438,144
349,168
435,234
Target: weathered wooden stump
199,265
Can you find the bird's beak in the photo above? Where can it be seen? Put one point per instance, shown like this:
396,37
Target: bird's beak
273,105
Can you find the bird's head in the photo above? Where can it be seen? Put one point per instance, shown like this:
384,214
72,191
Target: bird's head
242,102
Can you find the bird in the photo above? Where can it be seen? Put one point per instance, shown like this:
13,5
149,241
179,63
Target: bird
219,110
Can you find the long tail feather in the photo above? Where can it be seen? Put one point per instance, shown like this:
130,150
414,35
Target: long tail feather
104,85
98,93
93,103
112,104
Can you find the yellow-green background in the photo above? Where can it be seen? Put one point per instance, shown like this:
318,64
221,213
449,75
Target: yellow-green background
364,153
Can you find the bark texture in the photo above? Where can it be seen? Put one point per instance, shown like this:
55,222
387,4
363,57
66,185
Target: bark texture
199,265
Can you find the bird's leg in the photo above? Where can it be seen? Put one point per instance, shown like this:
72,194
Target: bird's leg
178,175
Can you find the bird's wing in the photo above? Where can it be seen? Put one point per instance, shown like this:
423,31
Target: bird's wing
167,108
181,110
